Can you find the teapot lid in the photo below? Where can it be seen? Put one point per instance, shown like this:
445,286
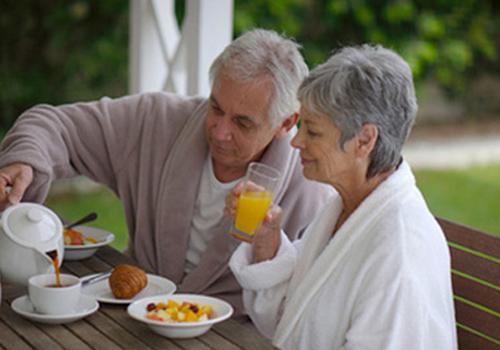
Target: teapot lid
31,224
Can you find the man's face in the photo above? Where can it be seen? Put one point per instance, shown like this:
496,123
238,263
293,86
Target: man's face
238,126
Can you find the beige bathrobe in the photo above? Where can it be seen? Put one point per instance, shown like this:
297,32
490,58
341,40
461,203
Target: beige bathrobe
150,150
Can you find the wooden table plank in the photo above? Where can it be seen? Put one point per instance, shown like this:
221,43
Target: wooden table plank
153,340
64,337
28,331
218,342
96,264
77,268
113,256
10,340
114,331
91,336
192,344
241,335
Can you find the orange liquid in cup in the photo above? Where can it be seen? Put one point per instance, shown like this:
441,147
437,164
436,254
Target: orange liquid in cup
251,210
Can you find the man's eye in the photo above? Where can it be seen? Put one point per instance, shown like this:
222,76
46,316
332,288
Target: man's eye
244,123
216,109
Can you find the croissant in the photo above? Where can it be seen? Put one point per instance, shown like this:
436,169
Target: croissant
126,281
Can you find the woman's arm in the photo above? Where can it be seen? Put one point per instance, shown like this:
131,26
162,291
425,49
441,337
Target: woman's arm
265,283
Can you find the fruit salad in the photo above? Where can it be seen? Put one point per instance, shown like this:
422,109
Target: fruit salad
173,312
73,237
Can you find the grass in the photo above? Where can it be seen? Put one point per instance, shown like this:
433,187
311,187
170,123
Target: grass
467,196
110,215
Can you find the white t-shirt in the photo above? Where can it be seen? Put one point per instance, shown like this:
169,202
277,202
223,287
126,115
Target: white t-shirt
208,211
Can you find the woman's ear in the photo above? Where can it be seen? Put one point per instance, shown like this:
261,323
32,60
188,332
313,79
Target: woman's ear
366,140
286,125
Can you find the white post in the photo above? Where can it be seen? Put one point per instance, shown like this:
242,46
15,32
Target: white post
208,29
161,58
148,21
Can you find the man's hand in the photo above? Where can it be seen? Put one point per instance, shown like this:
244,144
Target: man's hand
17,176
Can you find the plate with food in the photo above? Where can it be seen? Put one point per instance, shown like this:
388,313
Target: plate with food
180,315
126,284
81,242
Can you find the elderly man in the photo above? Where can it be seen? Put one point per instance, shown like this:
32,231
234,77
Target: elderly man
172,159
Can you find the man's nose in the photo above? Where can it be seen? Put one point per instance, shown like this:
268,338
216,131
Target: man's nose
223,130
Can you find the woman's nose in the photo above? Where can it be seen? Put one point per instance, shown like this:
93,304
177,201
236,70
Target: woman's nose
297,140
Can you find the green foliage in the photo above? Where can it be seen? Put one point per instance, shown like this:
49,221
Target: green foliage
61,51
446,39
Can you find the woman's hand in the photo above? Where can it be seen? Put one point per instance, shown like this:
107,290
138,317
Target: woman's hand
267,238
231,200
17,176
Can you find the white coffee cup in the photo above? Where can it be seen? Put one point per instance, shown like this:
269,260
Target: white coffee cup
51,300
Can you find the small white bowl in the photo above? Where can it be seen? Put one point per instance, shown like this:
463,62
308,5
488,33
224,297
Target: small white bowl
222,311
78,252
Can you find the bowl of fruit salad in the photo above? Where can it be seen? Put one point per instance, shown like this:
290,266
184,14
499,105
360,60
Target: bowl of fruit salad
81,242
180,315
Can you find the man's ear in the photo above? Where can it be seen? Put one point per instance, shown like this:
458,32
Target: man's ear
286,125
366,140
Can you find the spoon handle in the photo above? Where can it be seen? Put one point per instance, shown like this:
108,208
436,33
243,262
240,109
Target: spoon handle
87,280
87,218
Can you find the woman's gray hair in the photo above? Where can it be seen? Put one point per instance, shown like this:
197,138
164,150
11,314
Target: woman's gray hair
365,85
260,54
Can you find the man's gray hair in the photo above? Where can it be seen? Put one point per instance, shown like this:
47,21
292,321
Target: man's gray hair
365,85
260,54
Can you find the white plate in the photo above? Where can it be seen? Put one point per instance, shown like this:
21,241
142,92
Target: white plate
86,306
156,285
78,252
222,311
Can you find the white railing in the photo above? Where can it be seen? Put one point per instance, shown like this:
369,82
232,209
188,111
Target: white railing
164,57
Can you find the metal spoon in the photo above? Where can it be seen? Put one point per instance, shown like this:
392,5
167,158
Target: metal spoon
91,279
87,218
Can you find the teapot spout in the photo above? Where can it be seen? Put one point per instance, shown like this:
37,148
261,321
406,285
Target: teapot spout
52,254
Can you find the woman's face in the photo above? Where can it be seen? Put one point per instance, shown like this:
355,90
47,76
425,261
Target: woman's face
322,158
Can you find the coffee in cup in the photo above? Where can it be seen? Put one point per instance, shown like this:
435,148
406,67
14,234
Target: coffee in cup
48,298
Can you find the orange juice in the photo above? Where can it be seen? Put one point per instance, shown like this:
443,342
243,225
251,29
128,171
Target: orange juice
251,210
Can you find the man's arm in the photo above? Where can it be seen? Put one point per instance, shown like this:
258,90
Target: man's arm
47,143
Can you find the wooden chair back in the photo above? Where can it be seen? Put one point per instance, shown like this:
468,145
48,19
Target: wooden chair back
475,262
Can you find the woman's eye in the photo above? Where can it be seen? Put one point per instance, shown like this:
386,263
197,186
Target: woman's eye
312,133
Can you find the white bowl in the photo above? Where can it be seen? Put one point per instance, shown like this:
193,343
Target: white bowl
222,311
78,252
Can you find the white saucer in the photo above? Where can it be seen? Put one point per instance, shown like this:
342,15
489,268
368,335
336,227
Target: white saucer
86,306
156,285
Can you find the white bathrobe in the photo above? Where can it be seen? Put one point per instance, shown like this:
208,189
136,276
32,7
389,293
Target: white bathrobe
382,282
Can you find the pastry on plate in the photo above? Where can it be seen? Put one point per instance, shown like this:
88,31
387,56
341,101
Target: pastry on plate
126,281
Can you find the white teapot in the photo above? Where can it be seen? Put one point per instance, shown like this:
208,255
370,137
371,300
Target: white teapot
30,235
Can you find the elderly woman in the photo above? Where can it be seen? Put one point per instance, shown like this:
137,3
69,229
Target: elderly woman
372,271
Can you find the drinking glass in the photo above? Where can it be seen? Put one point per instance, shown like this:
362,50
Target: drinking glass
257,194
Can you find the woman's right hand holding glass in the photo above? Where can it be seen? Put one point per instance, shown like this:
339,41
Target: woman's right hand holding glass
267,237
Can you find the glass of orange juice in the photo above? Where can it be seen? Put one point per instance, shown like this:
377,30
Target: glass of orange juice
256,197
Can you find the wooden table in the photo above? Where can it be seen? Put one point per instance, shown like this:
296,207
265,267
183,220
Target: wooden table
111,327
